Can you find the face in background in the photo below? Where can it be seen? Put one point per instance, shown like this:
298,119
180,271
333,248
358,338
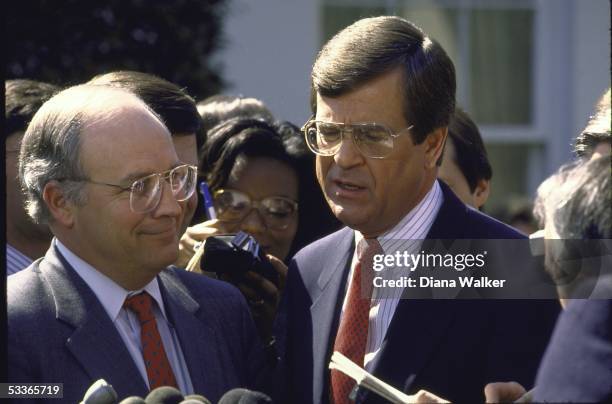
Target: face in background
17,220
260,178
128,247
372,195
451,174
187,152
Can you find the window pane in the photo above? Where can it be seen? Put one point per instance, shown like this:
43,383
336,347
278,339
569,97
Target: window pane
440,24
500,65
337,17
511,166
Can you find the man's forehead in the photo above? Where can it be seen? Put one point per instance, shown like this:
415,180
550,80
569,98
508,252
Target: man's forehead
186,147
124,112
131,142
378,98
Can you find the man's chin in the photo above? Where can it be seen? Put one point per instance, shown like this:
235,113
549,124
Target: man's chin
166,258
352,216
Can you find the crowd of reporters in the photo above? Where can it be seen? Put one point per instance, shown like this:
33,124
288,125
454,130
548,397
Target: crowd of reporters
142,229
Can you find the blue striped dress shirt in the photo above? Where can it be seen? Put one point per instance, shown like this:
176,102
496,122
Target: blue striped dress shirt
407,235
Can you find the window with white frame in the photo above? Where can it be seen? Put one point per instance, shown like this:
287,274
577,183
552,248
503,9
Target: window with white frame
492,46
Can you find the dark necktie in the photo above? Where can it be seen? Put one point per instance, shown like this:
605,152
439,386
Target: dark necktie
352,333
158,367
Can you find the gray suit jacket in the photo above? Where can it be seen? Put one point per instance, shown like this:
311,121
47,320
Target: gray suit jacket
58,332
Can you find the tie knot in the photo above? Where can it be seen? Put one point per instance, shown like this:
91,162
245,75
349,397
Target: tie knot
367,248
142,305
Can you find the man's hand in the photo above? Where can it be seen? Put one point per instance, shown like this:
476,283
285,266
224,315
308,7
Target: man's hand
262,295
504,392
196,235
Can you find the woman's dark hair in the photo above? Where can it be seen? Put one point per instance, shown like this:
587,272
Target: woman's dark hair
281,141
219,108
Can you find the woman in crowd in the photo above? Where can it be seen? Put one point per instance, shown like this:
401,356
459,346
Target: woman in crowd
261,177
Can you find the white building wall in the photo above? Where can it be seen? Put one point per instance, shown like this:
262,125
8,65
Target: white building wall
270,48
591,67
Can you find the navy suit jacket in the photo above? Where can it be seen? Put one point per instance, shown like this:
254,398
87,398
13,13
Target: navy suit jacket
58,332
577,365
451,348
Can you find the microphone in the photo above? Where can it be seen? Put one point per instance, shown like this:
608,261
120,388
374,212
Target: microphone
100,393
196,399
244,396
133,400
164,395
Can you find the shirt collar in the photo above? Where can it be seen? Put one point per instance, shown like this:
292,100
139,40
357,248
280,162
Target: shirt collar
111,295
415,224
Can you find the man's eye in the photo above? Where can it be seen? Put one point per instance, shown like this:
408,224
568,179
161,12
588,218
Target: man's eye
373,135
328,131
138,187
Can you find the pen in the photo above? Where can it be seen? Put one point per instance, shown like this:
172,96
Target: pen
209,207
208,201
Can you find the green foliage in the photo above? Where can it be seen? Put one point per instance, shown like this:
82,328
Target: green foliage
70,41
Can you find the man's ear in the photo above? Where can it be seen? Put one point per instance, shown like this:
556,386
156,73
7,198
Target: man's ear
434,146
481,193
61,209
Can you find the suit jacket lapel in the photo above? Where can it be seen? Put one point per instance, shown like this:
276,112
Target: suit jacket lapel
327,305
194,335
95,343
416,329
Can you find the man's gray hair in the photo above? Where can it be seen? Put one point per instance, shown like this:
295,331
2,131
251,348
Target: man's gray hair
576,203
50,149
597,130
576,200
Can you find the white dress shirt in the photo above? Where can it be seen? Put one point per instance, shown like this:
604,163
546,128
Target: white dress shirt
407,235
112,297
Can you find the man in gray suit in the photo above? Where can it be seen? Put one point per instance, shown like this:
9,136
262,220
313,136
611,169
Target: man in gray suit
99,167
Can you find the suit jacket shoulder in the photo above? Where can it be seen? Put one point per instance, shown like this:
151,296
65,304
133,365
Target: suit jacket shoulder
577,365
455,220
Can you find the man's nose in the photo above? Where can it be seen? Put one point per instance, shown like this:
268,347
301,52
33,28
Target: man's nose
348,154
168,205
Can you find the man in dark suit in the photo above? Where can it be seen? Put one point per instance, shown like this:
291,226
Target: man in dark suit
100,168
382,95
574,206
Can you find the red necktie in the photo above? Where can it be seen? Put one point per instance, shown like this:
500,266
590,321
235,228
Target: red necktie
353,330
158,367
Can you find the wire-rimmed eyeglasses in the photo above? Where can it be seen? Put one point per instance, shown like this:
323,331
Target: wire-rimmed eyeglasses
374,140
146,192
